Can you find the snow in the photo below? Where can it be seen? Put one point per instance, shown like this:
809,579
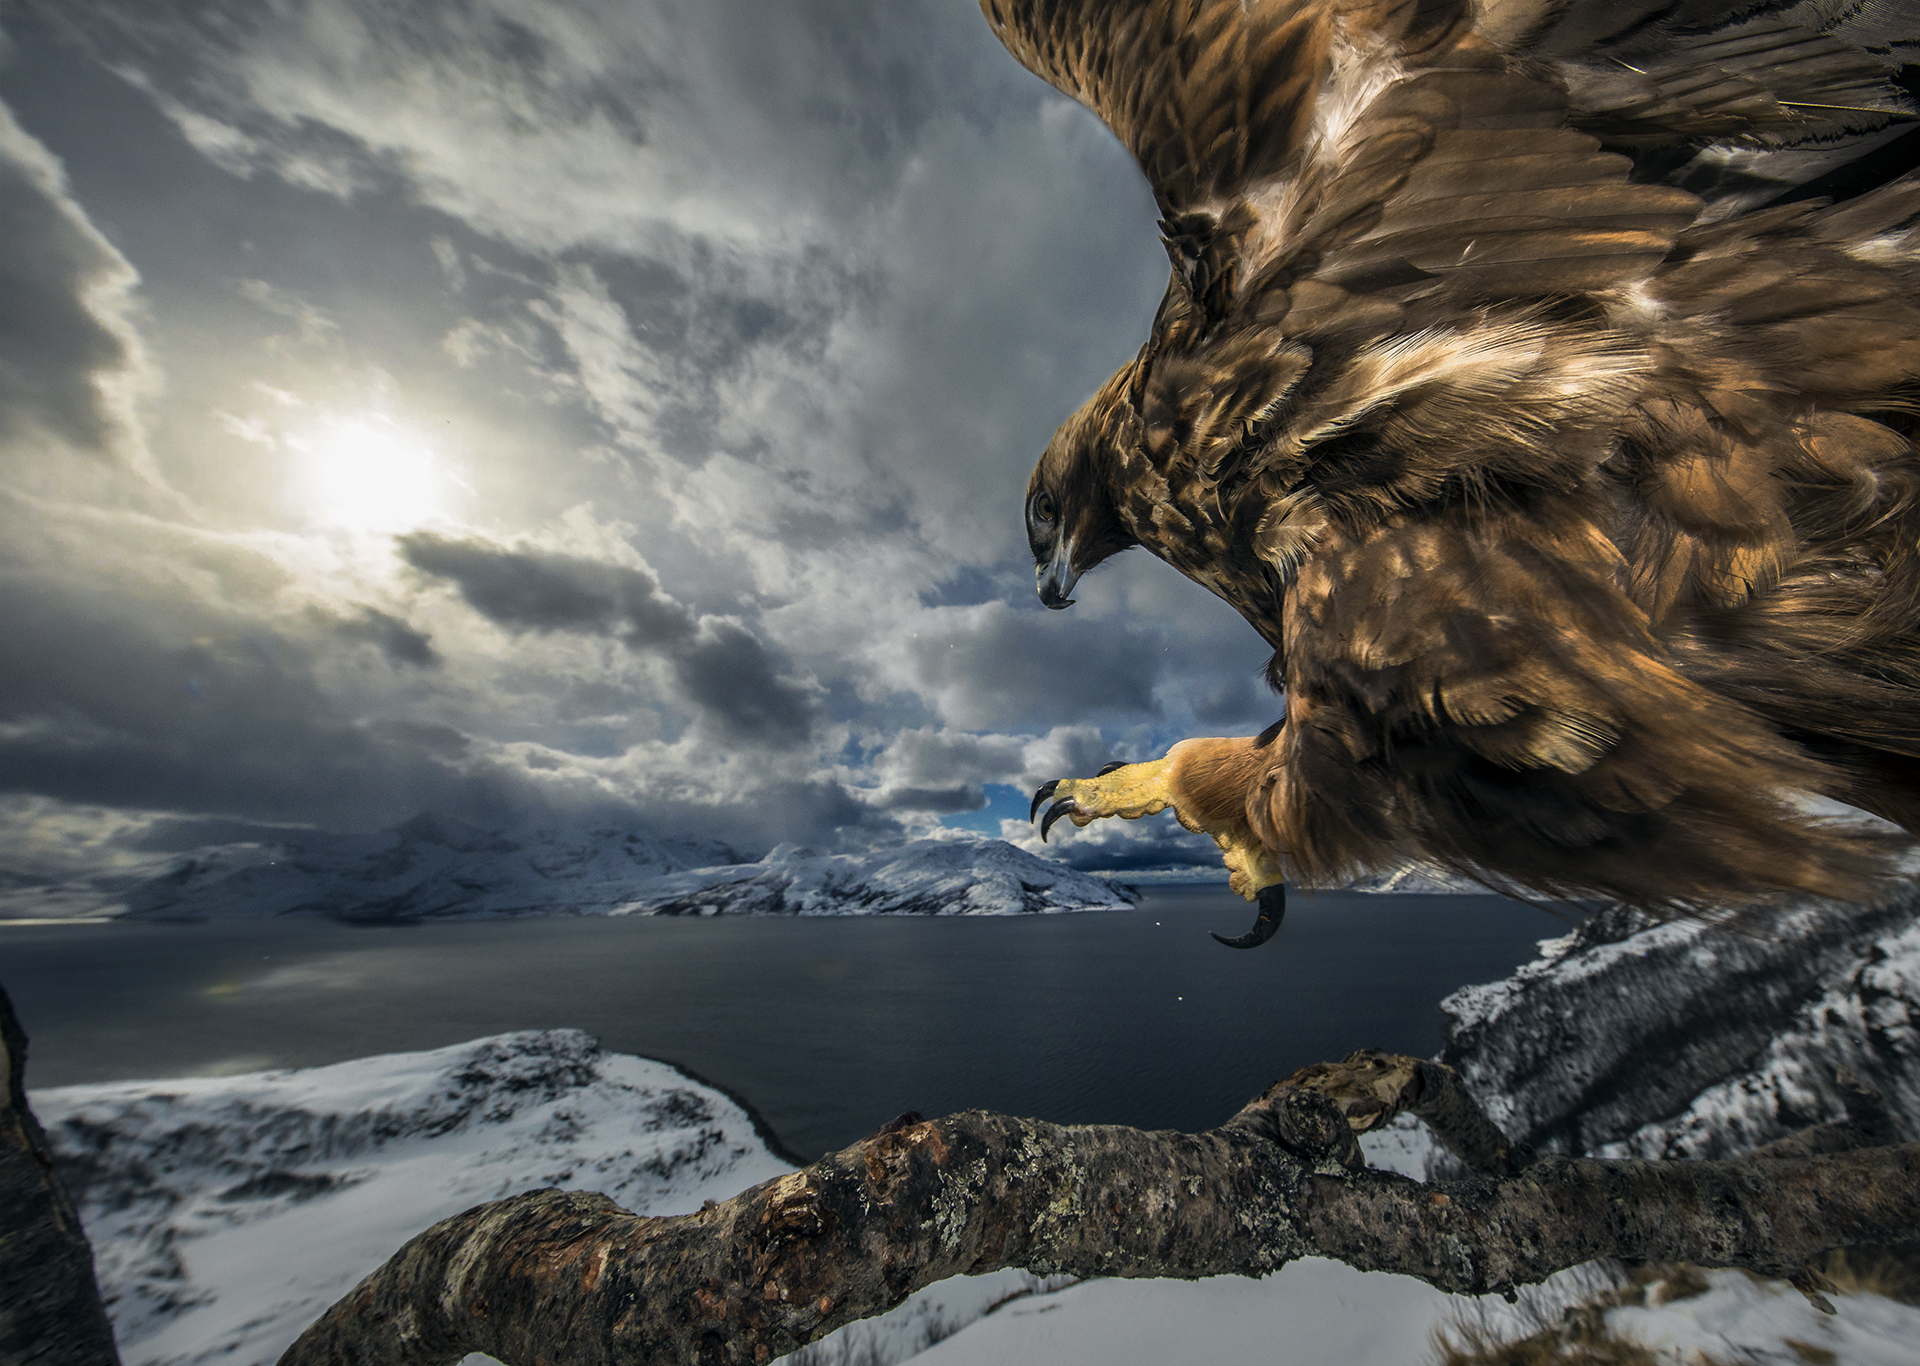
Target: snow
1416,877
1748,1320
227,1212
1316,1312
1689,1040
433,867
1311,1312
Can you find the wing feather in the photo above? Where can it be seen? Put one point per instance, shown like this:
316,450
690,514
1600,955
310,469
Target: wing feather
1208,95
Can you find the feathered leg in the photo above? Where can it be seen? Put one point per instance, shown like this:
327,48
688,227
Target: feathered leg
1210,785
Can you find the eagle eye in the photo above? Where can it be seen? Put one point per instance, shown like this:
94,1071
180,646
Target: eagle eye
1044,511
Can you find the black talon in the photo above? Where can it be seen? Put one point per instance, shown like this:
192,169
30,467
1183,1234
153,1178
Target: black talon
1046,791
1273,909
1105,769
1054,813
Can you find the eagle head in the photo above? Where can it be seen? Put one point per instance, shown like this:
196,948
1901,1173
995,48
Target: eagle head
1071,522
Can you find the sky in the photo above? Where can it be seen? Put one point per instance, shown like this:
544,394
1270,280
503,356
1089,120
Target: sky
602,412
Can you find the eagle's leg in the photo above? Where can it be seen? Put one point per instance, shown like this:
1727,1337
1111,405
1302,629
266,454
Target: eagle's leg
1206,784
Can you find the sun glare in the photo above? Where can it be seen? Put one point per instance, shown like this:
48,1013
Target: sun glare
366,474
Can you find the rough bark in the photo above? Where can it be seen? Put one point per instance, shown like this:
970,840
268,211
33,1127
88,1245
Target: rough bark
562,1277
50,1310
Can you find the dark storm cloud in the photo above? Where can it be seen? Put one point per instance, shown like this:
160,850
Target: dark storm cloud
394,638
727,671
60,351
538,590
1235,701
143,705
990,665
721,667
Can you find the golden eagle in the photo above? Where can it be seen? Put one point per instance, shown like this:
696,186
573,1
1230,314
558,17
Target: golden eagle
1519,386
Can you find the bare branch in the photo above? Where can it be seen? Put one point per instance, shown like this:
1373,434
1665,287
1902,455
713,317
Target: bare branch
565,1277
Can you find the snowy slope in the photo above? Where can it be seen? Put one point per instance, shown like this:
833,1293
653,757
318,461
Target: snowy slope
1624,1038
1416,877
437,868
227,1212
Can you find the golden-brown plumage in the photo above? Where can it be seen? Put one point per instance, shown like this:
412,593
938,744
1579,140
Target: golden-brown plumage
1582,511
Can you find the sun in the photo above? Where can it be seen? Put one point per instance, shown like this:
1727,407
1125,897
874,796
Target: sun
370,474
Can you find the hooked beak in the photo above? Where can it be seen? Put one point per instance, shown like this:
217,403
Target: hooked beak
1056,577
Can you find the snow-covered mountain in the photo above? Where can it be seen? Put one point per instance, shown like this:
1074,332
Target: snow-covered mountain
437,868
427,868
926,877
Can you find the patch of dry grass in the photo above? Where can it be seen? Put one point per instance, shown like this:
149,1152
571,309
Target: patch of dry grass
1890,1271
1566,1325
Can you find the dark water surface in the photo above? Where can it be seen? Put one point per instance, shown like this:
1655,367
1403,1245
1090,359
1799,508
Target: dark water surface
829,1026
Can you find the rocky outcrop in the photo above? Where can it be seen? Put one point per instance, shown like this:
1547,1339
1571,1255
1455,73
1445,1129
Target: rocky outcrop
1683,1039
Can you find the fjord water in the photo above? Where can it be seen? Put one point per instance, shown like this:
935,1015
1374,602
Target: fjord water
828,1026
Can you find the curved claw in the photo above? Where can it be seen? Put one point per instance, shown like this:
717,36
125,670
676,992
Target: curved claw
1054,813
1105,769
1046,791
1273,909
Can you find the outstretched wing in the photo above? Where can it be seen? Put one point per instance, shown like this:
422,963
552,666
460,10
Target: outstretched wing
1208,95
1339,159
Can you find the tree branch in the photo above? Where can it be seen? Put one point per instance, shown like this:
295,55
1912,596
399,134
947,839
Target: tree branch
566,1277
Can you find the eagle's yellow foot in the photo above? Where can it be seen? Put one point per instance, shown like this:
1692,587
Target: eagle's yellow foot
1130,791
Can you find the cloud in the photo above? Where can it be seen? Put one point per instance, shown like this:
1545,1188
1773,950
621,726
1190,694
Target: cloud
1117,845
534,590
985,665
727,672
71,362
938,770
722,668
399,642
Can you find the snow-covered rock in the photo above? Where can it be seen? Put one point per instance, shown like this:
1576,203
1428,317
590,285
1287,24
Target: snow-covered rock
1315,1312
1686,1040
925,877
